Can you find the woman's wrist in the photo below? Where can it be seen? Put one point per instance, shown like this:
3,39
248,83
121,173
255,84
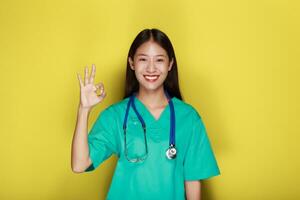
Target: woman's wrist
82,109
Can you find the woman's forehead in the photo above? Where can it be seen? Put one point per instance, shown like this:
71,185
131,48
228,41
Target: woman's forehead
150,49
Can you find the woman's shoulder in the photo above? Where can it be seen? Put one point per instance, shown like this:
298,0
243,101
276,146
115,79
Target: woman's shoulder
185,108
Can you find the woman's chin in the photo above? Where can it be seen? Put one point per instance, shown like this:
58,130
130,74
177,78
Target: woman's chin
151,87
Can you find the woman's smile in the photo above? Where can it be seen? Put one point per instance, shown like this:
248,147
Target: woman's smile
151,78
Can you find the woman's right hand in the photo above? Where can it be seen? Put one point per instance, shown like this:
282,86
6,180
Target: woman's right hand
88,90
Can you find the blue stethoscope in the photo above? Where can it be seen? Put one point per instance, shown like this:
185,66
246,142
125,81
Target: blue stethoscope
171,151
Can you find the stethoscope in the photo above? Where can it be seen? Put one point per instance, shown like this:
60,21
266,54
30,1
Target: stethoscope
171,150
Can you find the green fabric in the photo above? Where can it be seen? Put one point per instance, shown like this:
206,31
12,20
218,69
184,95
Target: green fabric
157,177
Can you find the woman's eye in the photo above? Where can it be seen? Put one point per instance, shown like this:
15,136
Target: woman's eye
159,60
142,59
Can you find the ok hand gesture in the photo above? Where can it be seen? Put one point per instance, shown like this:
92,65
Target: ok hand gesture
88,90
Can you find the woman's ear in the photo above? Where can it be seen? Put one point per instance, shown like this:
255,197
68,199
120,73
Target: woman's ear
171,64
131,63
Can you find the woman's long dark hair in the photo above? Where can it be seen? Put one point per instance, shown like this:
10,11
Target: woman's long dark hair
171,84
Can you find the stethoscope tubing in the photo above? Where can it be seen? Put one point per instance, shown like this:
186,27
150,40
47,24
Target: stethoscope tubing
171,151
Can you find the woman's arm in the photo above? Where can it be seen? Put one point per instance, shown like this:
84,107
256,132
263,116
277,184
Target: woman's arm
80,159
193,190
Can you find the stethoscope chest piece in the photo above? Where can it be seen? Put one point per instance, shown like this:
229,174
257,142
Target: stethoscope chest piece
171,152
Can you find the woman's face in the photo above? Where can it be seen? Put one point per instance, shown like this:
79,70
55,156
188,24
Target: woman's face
151,65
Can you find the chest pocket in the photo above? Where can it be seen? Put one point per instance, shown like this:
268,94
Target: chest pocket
135,139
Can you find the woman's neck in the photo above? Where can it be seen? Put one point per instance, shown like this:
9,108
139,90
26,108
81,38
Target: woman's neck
153,99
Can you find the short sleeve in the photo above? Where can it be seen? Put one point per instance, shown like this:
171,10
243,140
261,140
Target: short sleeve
101,139
199,162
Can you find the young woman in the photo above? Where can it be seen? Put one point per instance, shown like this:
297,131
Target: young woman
161,142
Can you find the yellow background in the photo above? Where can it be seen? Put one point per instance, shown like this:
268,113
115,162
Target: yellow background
238,65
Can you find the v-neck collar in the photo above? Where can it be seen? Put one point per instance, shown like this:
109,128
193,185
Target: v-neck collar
147,115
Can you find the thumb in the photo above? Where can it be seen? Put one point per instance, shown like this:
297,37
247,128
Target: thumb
102,96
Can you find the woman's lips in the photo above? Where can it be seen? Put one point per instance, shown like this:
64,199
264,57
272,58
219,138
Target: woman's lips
151,78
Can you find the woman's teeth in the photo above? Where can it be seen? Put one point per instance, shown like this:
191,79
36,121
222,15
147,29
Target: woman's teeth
151,78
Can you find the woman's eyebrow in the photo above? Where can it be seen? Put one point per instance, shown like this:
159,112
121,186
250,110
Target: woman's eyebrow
141,54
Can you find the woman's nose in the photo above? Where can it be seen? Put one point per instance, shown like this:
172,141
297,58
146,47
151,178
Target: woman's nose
151,66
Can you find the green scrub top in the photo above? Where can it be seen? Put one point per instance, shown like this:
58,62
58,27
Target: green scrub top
157,177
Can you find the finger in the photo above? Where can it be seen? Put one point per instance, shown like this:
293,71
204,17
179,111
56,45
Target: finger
100,86
93,73
86,74
80,80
